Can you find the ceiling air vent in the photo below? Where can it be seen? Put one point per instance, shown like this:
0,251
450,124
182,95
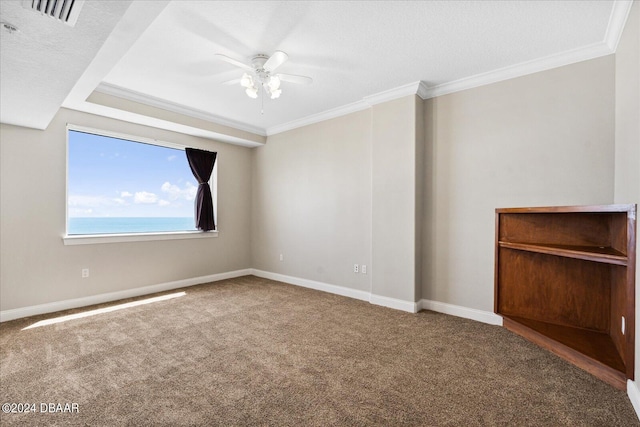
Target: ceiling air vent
66,11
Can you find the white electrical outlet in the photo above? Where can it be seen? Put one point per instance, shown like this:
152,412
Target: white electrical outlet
364,269
85,273
355,268
281,257
623,325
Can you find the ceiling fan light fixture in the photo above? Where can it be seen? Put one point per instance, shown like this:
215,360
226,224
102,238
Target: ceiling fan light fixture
259,76
275,93
274,83
252,92
246,81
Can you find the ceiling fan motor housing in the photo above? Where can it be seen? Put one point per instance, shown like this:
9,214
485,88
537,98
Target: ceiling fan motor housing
259,60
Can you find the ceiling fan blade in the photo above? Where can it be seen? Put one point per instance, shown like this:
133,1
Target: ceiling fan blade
292,78
277,59
232,82
234,62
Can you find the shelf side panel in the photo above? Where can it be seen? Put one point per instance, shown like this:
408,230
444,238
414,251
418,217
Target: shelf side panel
618,230
618,309
631,291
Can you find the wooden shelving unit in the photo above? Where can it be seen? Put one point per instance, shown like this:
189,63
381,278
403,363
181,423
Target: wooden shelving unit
565,279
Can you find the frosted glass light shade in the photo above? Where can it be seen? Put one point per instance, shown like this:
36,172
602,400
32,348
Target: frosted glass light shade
252,92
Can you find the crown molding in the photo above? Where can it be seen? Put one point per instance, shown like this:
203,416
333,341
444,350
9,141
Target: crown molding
617,20
391,94
131,95
423,90
593,51
418,88
619,13
319,117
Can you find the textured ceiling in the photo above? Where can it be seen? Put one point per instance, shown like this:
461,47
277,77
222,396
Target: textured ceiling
40,64
352,50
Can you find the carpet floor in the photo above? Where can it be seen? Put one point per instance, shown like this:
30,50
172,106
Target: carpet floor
251,351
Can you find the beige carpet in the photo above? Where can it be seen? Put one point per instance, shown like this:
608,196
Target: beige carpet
251,351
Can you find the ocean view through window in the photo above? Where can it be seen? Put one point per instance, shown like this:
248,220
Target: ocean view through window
120,185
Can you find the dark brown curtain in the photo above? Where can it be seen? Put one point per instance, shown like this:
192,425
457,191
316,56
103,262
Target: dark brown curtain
201,163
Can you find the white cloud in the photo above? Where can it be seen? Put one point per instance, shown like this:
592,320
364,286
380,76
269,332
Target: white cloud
119,201
170,158
174,192
125,194
162,202
145,197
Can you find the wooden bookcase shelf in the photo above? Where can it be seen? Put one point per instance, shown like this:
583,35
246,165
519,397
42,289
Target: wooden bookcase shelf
589,253
565,279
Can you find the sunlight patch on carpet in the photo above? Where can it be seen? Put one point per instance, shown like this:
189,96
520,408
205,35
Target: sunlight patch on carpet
61,319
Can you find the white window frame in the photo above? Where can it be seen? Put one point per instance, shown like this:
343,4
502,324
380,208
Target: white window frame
90,239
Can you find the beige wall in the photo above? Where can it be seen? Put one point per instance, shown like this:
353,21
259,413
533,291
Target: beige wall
393,192
627,108
538,140
312,202
343,192
36,267
627,131
417,184
421,168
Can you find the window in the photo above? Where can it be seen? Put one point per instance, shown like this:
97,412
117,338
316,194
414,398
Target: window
124,185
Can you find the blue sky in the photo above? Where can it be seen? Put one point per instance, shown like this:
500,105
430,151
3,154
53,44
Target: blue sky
110,177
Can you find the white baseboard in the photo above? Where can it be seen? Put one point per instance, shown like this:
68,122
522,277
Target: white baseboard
398,304
33,310
634,395
408,306
411,307
460,311
312,284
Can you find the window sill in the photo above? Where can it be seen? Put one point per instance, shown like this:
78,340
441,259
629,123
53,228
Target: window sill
93,239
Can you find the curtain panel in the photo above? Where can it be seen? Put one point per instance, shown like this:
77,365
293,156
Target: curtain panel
201,163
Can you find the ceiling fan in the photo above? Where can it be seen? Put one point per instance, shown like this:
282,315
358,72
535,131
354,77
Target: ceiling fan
260,74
